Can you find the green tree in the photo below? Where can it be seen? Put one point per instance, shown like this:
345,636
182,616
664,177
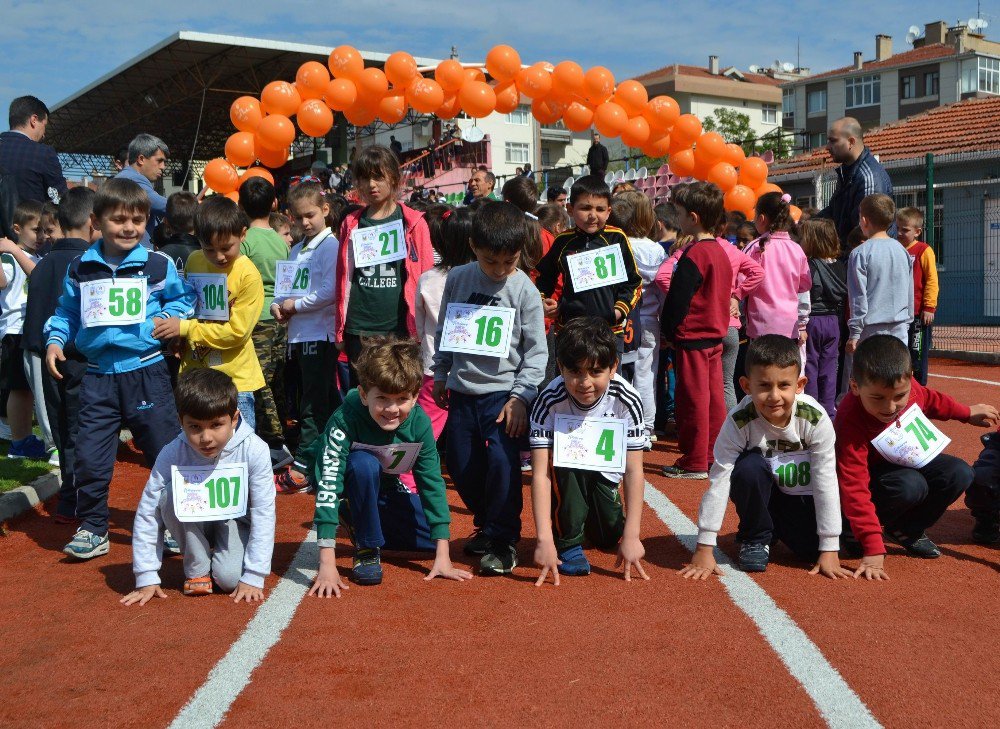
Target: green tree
735,127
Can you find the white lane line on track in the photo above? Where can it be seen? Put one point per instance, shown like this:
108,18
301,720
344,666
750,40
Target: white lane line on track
966,379
834,699
210,703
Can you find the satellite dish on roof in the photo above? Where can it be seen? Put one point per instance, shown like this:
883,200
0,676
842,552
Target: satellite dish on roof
912,34
568,184
977,24
787,67
754,69
472,134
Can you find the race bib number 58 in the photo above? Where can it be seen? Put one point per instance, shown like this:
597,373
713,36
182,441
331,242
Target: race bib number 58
113,302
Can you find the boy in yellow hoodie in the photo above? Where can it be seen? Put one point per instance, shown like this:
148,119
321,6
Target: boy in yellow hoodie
230,298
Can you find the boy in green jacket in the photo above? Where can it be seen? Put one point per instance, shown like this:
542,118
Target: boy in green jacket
376,435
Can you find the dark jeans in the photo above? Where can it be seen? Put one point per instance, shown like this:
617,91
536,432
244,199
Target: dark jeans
983,496
911,500
316,362
822,351
485,464
62,403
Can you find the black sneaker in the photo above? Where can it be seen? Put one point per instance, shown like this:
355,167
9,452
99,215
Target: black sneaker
919,546
501,559
986,529
367,568
478,544
754,557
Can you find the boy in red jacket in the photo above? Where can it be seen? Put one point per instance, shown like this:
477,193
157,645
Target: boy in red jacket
890,461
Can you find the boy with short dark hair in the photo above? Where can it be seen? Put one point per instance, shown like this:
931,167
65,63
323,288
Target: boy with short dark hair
774,458
113,296
890,461
211,487
909,228
490,359
378,434
695,320
587,459
182,242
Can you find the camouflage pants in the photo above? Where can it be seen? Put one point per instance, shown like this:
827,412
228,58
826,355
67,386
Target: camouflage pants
269,402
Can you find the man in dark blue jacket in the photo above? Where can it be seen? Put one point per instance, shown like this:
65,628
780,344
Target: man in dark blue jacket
34,165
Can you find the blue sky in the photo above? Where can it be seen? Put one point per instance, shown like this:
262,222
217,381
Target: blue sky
55,48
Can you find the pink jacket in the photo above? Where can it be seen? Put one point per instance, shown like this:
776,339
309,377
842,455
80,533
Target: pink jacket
419,258
774,306
747,274
666,270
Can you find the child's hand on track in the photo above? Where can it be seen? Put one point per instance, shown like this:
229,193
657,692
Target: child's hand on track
516,416
247,592
547,558
328,582
703,564
871,568
443,567
828,565
143,595
984,416
630,554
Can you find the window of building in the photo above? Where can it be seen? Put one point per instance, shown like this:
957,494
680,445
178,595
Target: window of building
769,113
788,104
932,83
546,157
909,90
816,102
863,91
981,74
517,153
817,140
520,116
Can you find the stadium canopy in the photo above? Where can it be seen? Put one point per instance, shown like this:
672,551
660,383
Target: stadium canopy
179,90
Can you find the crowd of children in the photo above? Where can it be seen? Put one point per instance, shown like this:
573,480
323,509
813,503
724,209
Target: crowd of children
338,350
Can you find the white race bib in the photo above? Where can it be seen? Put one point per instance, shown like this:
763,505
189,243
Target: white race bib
792,472
474,329
113,302
291,279
396,458
593,444
600,267
378,244
912,441
213,295
210,493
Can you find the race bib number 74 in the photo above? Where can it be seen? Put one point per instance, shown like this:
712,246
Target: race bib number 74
912,441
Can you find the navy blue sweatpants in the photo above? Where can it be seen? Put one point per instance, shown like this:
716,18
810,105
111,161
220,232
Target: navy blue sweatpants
143,401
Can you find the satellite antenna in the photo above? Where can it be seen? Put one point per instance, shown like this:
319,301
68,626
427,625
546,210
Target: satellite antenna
568,184
472,134
787,67
755,69
912,34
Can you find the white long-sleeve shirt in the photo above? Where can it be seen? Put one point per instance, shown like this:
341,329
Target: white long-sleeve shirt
314,319
430,291
809,429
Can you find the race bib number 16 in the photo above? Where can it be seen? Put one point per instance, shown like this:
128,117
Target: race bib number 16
113,302
474,329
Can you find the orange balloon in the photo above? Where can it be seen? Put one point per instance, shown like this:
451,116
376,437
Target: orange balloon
610,119
766,188
686,129
739,198
578,116
245,114
275,132
678,145
796,212
273,158
345,62
632,97
547,111
424,94
534,82
503,63
710,149
734,155
256,172
636,132
658,147
723,174
753,172
474,74
372,85
361,115
598,84
701,169
508,97
450,74
478,99
341,93
567,78
239,149
392,107
450,108
221,176
280,97
314,118
311,80
661,112
234,196
400,68
682,163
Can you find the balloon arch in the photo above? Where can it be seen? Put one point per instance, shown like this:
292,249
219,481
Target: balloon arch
581,99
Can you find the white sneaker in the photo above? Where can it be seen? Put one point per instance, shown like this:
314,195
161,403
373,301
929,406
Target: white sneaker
5,430
54,458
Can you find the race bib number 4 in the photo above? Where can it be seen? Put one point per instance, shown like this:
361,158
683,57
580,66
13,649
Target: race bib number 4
291,279
792,472
213,295
396,458
474,329
378,244
593,444
600,267
912,441
113,302
210,493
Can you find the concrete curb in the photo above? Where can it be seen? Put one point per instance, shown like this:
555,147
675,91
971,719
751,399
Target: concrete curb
24,498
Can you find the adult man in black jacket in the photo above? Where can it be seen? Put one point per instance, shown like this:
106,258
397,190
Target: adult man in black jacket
35,166
597,156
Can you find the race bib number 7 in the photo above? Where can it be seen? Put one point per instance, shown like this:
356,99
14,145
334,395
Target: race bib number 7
592,444
113,302
396,458
593,269
210,493
291,279
912,441
378,244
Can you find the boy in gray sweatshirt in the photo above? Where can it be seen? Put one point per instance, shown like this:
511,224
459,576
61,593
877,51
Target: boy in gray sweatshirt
212,487
491,358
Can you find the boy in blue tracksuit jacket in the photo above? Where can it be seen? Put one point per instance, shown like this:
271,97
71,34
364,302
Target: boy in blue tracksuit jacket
117,298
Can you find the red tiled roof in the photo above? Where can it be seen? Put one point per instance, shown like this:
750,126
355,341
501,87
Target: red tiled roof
916,55
682,70
965,126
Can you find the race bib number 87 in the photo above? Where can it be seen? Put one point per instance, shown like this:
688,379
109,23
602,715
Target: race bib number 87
593,269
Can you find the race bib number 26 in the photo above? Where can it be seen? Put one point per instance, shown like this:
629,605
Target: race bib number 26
291,279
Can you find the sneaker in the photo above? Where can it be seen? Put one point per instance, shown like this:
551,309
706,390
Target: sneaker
478,544
919,546
30,447
986,529
170,544
367,569
87,545
678,472
54,458
286,482
4,429
525,463
754,557
574,562
198,586
280,457
500,559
